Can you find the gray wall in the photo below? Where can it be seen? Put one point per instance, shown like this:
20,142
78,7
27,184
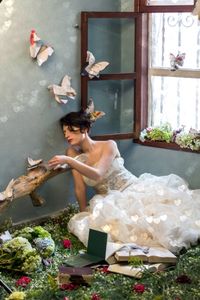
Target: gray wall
142,159
29,115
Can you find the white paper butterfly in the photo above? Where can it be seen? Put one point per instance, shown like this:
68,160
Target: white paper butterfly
93,69
63,92
38,49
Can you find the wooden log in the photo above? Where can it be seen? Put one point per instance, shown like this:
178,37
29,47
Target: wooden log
28,184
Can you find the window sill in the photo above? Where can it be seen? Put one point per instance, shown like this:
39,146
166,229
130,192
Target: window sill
165,145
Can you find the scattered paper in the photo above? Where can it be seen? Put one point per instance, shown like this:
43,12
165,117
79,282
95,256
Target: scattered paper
5,236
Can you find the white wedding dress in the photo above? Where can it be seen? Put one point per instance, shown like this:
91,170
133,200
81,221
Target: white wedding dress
148,211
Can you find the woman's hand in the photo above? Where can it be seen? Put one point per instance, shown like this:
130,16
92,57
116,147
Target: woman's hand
57,161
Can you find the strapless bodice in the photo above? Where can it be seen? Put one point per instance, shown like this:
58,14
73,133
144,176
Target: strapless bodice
116,178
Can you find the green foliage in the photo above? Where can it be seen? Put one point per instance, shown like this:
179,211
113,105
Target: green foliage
108,286
159,133
189,140
17,254
135,262
40,239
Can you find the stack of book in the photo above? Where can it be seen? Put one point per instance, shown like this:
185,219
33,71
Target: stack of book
75,275
153,259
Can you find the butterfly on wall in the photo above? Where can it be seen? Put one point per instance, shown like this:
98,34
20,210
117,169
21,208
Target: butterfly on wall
93,69
176,61
32,164
38,49
93,114
62,93
8,193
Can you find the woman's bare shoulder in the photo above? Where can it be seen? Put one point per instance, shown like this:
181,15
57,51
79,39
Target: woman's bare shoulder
110,145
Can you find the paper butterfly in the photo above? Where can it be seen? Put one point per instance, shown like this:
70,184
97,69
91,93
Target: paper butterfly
64,91
8,193
93,69
32,164
94,115
176,61
38,49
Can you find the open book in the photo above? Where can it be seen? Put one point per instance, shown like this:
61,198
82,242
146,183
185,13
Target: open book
111,249
136,272
150,255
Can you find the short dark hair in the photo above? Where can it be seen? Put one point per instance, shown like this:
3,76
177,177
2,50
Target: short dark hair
78,119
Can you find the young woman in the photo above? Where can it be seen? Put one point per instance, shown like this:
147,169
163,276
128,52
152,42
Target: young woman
149,210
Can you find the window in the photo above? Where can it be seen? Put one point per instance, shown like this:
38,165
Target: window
173,95
121,39
139,89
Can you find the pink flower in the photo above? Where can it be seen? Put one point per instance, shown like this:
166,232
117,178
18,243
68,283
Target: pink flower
148,129
23,281
68,286
139,288
66,298
95,297
67,244
104,269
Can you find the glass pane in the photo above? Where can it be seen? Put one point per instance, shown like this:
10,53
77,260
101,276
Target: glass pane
174,33
115,98
175,100
127,5
170,2
113,40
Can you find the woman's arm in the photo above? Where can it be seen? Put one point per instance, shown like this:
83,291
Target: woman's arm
108,152
79,185
80,190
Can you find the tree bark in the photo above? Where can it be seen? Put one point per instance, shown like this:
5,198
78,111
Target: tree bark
28,184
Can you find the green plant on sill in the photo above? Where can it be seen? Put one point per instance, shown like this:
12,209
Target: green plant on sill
165,133
159,133
190,140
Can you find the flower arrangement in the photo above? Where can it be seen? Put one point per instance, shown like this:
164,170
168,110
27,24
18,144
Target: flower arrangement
165,133
190,140
26,249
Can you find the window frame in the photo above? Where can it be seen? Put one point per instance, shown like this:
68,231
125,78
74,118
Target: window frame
142,7
139,76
